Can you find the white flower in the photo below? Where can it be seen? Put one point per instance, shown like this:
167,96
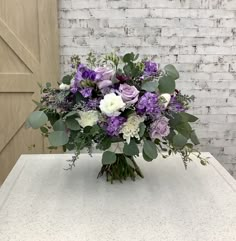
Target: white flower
131,127
88,118
111,104
165,99
64,86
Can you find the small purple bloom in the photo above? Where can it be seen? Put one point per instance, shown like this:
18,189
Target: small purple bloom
92,104
86,92
148,104
175,105
150,68
103,77
114,124
128,93
159,128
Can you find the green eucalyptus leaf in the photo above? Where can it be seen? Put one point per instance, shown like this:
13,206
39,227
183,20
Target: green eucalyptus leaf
150,86
108,158
59,125
131,149
179,141
72,113
58,138
66,79
150,149
184,128
129,162
72,124
37,119
171,71
142,128
166,85
194,138
146,158
188,117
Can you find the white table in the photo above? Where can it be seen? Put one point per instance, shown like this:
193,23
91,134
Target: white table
40,201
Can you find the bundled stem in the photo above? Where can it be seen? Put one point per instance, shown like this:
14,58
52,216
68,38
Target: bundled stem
121,169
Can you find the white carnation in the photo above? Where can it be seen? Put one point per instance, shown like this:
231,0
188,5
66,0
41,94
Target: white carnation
64,86
165,99
131,128
88,118
111,104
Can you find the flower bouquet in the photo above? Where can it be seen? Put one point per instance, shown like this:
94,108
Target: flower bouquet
122,106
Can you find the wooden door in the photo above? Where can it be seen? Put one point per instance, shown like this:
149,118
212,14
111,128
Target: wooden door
28,54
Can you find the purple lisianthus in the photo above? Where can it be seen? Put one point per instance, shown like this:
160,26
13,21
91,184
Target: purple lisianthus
150,68
128,93
103,77
114,124
148,104
74,86
86,92
85,72
175,105
92,104
159,128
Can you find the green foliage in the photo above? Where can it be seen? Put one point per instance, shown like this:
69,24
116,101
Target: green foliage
66,79
194,138
58,138
72,124
150,149
131,149
108,158
145,157
142,128
59,125
188,117
179,141
129,162
37,119
166,84
150,86
171,71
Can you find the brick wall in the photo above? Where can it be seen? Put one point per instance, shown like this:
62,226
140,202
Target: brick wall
198,37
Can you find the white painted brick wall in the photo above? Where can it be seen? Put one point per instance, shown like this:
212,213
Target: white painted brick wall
199,37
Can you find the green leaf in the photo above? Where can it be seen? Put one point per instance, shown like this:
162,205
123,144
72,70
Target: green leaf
108,158
59,125
142,128
44,129
79,98
104,144
128,57
150,86
72,113
72,124
129,162
171,71
184,128
37,119
146,158
179,141
166,85
131,149
150,149
48,85
194,138
66,79
188,117
58,138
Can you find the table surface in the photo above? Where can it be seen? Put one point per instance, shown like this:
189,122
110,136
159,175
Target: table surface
40,201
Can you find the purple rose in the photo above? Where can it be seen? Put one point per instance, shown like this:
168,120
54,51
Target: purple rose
103,77
159,128
128,93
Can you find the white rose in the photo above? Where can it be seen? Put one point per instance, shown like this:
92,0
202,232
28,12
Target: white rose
165,99
131,127
87,118
111,104
64,86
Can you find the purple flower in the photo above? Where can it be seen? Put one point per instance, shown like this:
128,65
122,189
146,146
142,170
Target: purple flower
175,105
92,104
128,93
159,128
86,92
103,77
114,124
150,68
148,104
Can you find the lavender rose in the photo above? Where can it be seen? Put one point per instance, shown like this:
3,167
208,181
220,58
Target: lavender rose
128,93
159,128
103,77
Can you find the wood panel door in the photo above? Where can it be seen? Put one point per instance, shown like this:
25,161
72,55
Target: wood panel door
28,54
